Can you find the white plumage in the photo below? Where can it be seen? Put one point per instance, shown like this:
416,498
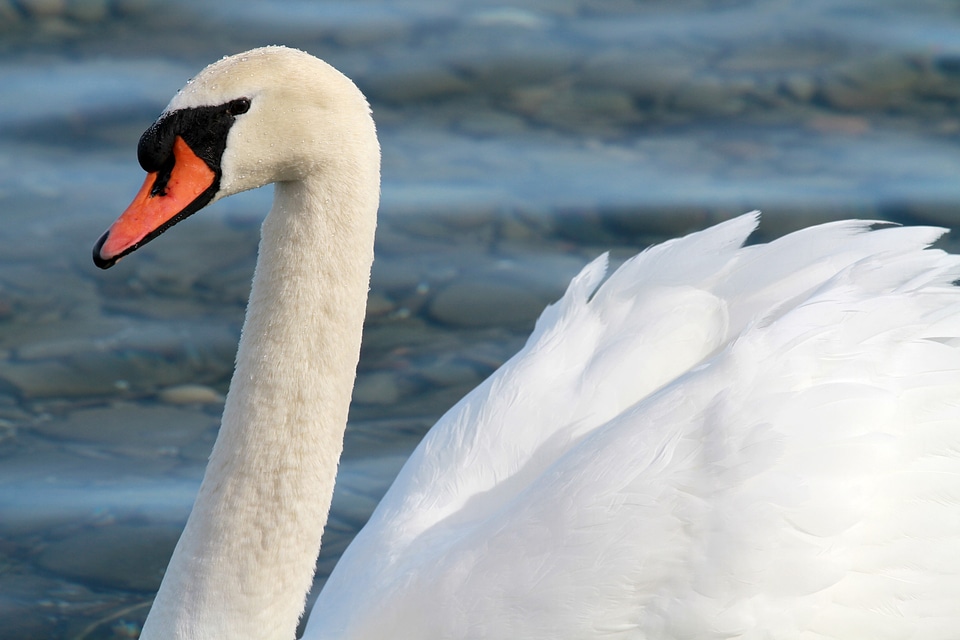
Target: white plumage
715,442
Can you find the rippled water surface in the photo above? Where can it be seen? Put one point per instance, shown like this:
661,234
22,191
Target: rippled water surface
519,140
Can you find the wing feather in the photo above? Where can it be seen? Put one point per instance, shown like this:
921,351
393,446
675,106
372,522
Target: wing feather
715,442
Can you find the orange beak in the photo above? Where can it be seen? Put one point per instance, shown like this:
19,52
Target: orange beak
153,211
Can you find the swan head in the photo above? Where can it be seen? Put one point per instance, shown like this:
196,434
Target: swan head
268,115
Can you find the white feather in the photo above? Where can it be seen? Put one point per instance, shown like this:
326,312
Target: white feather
721,442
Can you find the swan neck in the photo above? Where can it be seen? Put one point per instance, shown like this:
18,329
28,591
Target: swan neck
246,559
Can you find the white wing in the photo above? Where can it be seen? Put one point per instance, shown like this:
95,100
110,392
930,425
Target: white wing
716,442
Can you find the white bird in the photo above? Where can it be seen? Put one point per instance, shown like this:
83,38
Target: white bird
717,441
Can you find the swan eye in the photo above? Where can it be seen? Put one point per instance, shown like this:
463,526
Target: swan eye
238,106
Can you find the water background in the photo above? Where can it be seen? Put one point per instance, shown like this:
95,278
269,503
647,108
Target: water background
519,140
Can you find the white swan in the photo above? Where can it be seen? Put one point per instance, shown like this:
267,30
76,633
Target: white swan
716,442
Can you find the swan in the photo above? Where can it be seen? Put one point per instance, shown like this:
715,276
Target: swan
714,441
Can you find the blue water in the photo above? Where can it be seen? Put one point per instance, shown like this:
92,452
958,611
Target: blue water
518,141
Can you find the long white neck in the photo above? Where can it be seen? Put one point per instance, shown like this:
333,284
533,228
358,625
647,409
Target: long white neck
246,559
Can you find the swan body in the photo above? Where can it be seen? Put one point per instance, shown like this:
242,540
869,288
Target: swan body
715,441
